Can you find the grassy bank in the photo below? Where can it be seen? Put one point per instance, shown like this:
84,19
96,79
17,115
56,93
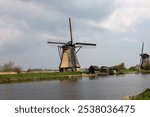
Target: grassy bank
129,71
7,78
142,96
145,71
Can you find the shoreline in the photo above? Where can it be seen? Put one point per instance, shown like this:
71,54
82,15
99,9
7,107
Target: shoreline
41,76
143,95
10,77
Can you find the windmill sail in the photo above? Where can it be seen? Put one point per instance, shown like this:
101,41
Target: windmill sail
53,42
141,59
70,27
90,44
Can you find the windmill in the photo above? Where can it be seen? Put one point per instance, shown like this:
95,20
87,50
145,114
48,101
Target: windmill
67,52
144,58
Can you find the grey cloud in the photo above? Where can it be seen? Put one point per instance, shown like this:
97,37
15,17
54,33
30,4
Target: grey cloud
50,19
85,9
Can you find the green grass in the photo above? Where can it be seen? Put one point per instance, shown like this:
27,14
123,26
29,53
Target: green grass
36,76
142,96
145,71
129,71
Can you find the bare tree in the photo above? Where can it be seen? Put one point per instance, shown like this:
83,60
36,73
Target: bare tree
10,66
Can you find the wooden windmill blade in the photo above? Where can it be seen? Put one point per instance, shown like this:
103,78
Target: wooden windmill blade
70,27
142,48
55,42
73,57
88,44
141,59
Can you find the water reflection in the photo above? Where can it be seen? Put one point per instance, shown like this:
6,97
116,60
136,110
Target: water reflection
93,77
68,80
102,87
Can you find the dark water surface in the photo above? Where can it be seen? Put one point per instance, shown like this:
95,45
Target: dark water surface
106,87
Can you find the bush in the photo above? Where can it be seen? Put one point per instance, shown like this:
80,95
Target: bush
118,67
134,68
29,70
17,69
10,66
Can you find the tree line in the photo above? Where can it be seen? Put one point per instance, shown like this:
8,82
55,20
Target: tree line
10,67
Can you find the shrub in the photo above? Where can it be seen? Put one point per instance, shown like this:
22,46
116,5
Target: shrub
10,66
118,67
17,69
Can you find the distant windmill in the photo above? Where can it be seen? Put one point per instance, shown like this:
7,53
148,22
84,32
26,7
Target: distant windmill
67,52
144,58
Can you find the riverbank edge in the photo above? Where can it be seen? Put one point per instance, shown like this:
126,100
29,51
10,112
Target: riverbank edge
11,78
145,95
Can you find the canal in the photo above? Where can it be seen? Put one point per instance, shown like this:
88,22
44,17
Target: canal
98,88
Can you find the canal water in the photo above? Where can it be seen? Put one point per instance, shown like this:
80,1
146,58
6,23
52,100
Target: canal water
101,88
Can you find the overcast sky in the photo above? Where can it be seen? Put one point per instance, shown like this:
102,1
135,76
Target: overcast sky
118,27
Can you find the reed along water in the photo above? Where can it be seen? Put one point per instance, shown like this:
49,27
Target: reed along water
98,88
